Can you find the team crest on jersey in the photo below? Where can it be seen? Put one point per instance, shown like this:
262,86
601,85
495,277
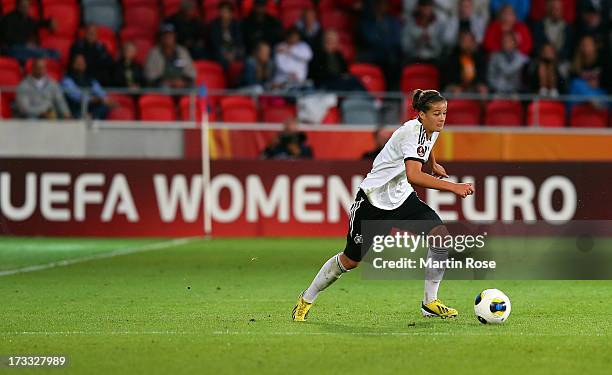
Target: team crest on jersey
358,239
421,151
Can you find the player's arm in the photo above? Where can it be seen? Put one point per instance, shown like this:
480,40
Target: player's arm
419,178
436,169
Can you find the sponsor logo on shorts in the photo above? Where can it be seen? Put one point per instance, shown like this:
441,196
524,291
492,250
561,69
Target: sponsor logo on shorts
358,239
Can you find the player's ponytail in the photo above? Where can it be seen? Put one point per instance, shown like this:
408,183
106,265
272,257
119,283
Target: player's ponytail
422,100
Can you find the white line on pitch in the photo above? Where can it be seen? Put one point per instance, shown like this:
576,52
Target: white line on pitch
241,333
111,254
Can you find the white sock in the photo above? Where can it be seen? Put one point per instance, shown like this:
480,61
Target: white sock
433,276
330,272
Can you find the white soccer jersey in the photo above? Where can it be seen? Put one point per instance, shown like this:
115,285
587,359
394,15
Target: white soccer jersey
386,185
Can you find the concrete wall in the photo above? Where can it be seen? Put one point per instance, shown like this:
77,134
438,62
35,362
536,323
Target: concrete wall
22,138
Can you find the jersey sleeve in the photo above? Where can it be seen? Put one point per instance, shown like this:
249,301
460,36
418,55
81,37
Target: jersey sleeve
411,147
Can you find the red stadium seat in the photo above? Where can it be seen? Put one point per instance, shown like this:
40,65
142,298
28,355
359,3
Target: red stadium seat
107,36
331,117
135,32
10,72
338,20
211,10
54,69
247,5
61,44
420,76
587,116
545,113
9,5
276,113
504,113
170,7
211,74
238,109
327,5
233,75
145,17
538,10
5,105
289,16
125,110
370,75
10,75
67,16
185,109
156,108
463,112
142,42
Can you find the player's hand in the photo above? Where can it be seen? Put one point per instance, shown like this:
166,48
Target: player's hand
438,171
463,190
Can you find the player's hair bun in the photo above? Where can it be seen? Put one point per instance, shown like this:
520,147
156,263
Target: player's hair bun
416,98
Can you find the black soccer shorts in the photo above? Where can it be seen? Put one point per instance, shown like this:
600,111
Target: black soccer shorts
419,217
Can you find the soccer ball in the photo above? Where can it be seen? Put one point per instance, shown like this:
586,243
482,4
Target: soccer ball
492,306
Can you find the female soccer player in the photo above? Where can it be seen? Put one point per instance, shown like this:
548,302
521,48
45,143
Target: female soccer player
387,194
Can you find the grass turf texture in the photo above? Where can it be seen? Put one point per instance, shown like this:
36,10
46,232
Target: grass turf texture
224,305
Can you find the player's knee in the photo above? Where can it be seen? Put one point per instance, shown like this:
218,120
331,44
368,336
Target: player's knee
439,230
347,262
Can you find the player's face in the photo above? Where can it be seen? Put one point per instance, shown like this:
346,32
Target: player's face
436,116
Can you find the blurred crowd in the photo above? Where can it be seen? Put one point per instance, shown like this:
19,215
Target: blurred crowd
547,47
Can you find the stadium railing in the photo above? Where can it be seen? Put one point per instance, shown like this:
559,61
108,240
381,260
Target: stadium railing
374,109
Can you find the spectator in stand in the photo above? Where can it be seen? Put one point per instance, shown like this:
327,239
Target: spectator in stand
126,71
423,35
259,68
39,96
226,36
520,7
380,138
19,34
505,71
259,26
291,59
466,20
380,37
543,74
591,21
329,70
507,22
98,59
289,144
168,64
552,29
465,71
448,9
310,28
589,72
190,31
79,87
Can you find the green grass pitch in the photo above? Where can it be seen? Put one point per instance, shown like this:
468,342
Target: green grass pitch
223,306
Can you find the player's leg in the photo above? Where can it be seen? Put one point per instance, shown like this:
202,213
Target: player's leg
427,221
340,263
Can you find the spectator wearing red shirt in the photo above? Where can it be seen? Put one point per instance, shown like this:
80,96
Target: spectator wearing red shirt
507,22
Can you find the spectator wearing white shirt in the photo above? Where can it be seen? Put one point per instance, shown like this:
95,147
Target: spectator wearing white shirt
39,96
292,58
466,20
448,9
